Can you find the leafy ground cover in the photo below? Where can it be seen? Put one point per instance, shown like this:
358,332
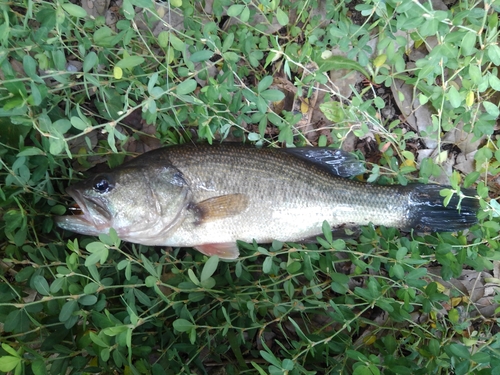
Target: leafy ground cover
411,87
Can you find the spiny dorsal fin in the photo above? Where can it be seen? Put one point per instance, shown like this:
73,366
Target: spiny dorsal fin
220,207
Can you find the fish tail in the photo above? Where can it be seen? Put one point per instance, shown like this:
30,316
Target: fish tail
427,212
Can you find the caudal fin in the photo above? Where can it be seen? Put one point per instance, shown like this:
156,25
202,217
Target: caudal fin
428,214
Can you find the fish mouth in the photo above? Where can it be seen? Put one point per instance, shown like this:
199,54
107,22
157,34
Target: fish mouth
90,217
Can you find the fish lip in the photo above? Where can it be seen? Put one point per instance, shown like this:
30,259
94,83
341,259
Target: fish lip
88,205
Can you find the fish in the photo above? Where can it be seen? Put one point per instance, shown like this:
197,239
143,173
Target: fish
208,197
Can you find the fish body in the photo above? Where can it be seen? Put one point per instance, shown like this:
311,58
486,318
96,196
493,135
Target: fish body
208,197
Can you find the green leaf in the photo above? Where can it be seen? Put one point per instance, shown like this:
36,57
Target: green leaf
496,207
228,42
29,65
41,285
273,95
264,83
78,123
209,268
468,43
298,330
494,53
289,288
13,218
128,9
258,368
235,10
152,270
200,56
491,108
340,62
89,61
271,358
36,94
98,253
183,325
397,271
245,14
282,17
98,340
143,3
327,231
142,297
294,267
453,316
177,43
87,300
307,267
492,224
91,288
401,253
267,265
57,284
9,363
10,350
475,74
30,151
366,370
261,105
116,330
163,39
494,82
130,62
454,97
471,178
39,367
193,277
333,111
74,10
208,283
61,126
481,357
231,56
105,354
17,321
153,79
460,351
447,194
186,87
67,310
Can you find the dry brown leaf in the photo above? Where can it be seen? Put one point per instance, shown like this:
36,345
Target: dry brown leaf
418,116
95,8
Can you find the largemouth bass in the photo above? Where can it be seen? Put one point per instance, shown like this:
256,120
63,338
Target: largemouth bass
208,197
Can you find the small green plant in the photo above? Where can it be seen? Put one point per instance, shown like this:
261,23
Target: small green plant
77,91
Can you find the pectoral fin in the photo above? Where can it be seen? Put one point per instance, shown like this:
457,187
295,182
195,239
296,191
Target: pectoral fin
220,207
222,250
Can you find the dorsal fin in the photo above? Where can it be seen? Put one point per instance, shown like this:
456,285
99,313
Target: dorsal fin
338,162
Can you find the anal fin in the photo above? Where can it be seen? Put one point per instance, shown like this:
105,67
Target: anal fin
222,250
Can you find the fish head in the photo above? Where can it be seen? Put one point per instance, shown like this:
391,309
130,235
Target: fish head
141,203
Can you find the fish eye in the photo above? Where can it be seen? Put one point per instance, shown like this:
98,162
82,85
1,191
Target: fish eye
102,184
